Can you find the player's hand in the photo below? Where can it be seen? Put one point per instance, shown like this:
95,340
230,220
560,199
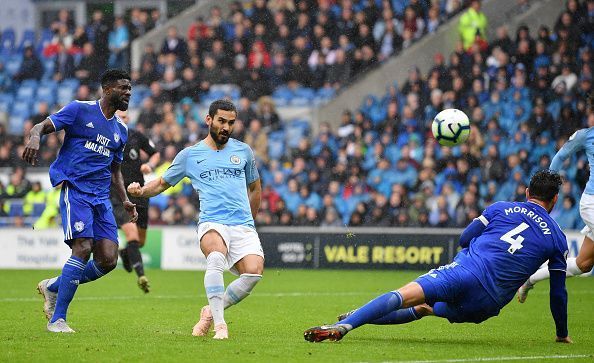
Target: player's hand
30,152
145,168
566,340
135,190
131,209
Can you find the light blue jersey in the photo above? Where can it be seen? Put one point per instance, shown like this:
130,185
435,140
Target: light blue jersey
581,140
220,178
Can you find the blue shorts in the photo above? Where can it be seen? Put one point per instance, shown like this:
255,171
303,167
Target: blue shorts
86,216
457,295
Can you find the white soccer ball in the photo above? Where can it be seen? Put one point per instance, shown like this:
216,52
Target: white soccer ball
451,127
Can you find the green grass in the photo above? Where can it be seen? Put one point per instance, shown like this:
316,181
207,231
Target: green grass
115,321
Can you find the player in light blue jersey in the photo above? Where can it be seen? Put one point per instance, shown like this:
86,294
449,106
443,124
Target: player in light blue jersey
223,172
88,161
500,250
581,140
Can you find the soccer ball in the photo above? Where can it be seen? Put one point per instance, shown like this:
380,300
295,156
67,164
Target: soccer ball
451,127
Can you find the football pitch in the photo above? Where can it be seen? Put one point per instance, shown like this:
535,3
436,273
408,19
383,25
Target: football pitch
116,322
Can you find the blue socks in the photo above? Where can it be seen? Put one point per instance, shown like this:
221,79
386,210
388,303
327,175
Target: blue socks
373,310
72,273
91,273
401,316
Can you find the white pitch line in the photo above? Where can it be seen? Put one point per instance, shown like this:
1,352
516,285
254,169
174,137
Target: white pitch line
255,295
174,297
497,359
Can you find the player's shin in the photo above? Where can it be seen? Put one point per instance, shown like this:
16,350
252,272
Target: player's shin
135,257
215,285
240,288
92,272
373,310
72,273
401,316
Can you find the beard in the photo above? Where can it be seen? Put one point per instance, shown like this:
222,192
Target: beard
219,139
121,105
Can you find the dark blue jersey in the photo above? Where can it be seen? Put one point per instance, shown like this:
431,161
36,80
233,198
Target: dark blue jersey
517,239
91,143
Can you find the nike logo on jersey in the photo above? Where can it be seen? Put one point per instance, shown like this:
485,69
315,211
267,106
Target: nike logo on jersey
90,124
199,161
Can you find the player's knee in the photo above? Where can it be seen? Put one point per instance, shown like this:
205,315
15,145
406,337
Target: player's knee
106,264
82,248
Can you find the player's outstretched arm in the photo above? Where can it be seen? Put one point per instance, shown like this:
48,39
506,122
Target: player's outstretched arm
154,187
32,146
255,196
558,303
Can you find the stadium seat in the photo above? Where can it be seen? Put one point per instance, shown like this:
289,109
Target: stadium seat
72,83
28,40
160,201
296,130
308,93
46,38
15,124
21,108
13,64
65,95
6,100
26,91
15,207
8,41
38,208
276,145
48,68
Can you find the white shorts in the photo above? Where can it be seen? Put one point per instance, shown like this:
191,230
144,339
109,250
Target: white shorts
240,241
587,214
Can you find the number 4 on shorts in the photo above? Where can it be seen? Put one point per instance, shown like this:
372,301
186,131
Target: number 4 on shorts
514,239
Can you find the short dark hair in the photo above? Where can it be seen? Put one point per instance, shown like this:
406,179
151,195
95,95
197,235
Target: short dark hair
113,75
221,104
544,185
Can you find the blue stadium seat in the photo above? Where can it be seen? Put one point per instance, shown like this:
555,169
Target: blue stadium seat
16,208
28,40
305,92
48,68
8,41
300,101
160,201
276,145
65,95
139,93
6,100
15,124
46,38
25,92
21,108
72,83
38,208
13,64
295,131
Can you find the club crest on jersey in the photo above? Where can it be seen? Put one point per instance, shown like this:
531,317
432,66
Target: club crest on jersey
79,226
116,137
235,159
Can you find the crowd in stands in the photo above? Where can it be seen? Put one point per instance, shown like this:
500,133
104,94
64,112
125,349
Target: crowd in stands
525,91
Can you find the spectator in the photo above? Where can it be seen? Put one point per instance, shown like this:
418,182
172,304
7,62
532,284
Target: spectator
119,39
473,25
31,67
64,65
174,44
88,68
